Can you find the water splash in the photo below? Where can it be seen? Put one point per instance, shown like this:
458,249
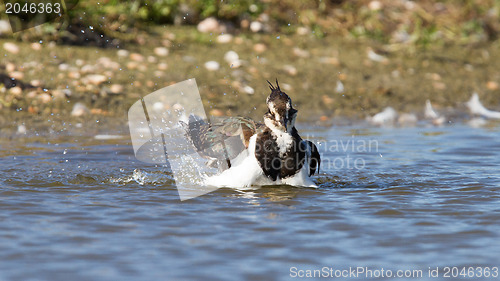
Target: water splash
143,178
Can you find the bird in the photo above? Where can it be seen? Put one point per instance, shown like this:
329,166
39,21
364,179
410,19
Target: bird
212,140
477,108
272,153
387,117
431,114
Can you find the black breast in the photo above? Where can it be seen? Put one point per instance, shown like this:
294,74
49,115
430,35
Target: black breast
274,166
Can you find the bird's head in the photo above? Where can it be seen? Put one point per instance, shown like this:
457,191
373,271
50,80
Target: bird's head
280,113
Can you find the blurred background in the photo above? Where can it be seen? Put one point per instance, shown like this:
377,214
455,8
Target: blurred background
336,59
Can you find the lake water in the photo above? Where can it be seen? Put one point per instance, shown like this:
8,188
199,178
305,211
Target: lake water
73,207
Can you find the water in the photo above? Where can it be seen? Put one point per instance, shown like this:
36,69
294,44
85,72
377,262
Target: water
77,208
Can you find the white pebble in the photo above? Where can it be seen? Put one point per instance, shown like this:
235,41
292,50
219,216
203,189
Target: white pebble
224,38
375,5
290,69
122,53
79,109
212,65
231,57
340,87
208,25
249,90
116,88
95,79
11,47
21,129
256,26
161,51
36,46
63,67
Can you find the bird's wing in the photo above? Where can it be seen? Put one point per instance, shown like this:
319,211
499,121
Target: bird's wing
315,162
267,154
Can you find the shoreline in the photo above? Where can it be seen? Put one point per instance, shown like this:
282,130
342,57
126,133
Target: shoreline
326,78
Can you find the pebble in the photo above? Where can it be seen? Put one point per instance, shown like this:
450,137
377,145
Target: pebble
21,129
329,60
74,75
259,48
58,94
300,53
376,57
132,65
161,51
87,68
16,91
18,75
4,27
433,76
31,95
235,64
256,26
63,67
290,69
95,79
11,48
36,83
301,30
79,62
116,89
108,63
492,85
216,112
122,53
375,5
249,90
162,66
339,88
36,46
10,67
137,57
224,38
231,56
79,109
439,85
44,98
152,59
327,100
189,59
159,73
244,24
286,87
212,65
208,25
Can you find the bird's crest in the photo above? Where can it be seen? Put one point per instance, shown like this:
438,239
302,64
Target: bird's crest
274,88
